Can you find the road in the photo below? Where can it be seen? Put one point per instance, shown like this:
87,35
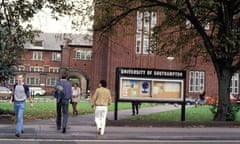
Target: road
60,141
122,135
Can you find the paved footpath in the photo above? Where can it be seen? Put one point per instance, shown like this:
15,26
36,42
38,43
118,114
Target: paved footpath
83,127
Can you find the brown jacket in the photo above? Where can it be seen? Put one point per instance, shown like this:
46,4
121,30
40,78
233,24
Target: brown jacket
101,97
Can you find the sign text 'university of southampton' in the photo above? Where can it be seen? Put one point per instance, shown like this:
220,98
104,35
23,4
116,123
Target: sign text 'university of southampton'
150,85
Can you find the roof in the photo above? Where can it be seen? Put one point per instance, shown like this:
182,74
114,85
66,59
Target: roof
53,41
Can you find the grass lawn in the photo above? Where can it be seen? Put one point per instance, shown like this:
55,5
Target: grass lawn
46,110
199,114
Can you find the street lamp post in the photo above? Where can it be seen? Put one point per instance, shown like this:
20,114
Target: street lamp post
170,59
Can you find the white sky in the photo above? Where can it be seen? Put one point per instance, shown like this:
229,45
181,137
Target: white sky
43,21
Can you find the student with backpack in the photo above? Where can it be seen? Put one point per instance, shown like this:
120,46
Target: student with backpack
20,94
63,93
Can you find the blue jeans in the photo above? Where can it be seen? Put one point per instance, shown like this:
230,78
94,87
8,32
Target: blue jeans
62,109
19,108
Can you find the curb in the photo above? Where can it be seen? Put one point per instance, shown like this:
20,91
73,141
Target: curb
179,124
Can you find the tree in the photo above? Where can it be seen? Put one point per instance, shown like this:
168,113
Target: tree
16,28
220,43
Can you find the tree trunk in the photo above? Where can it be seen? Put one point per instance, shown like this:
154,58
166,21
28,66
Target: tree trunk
224,81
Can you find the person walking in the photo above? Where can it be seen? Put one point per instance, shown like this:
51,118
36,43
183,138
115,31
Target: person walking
135,107
76,92
100,101
201,98
19,96
63,93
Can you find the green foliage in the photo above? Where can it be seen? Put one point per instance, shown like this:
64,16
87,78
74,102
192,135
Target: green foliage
232,113
199,114
46,110
188,30
16,30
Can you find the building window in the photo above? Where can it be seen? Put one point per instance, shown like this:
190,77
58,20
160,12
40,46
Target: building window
54,69
33,81
38,43
196,80
190,25
83,54
146,21
234,84
51,81
37,55
56,56
20,68
12,81
36,69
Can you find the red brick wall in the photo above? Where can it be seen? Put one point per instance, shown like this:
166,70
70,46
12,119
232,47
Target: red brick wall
118,50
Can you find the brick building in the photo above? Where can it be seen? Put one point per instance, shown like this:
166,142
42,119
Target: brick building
92,59
131,47
50,53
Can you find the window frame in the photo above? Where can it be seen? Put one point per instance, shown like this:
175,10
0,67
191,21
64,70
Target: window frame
51,81
196,81
56,56
53,69
37,55
36,69
83,54
33,81
234,86
146,21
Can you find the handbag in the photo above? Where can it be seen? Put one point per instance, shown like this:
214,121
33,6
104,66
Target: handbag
71,102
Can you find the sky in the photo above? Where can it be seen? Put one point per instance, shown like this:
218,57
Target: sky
43,21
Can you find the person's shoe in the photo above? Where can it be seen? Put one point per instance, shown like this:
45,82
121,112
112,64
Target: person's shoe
22,131
133,114
99,131
64,130
17,135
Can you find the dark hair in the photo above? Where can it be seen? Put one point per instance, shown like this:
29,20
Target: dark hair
103,83
64,75
76,84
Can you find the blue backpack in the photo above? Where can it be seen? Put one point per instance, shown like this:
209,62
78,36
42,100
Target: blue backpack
59,91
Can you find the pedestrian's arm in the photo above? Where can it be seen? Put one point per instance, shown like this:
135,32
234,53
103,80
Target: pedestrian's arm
30,101
109,99
11,99
93,99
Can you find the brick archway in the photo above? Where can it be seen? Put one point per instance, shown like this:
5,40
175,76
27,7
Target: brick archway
80,78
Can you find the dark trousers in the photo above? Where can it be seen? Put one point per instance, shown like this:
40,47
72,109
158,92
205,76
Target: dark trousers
135,108
74,107
62,109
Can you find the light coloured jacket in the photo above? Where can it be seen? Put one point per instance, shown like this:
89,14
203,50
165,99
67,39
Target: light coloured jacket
76,92
102,97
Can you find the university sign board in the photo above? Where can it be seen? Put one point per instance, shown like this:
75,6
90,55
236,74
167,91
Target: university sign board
150,85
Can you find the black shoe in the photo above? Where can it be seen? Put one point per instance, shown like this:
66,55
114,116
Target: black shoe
64,130
17,135
99,131
22,131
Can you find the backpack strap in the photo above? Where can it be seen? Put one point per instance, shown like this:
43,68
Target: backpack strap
26,90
